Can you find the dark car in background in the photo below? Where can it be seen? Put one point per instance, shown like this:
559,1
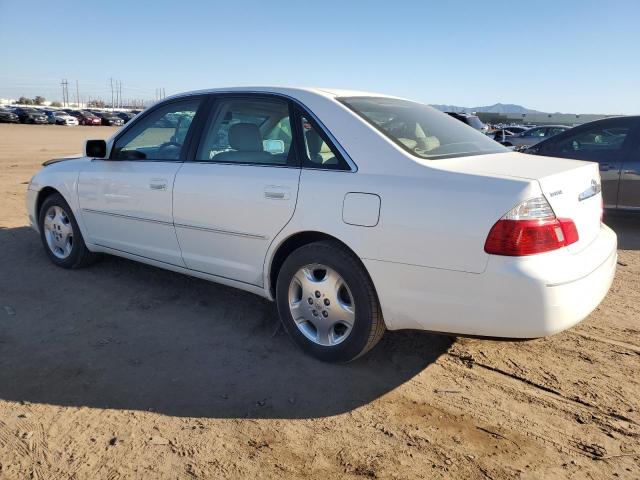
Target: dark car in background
125,116
51,116
109,118
534,135
7,116
614,143
30,115
469,119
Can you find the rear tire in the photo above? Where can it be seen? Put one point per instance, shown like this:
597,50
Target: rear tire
61,235
336,309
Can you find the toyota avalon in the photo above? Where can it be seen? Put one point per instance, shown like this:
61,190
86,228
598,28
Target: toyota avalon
354,212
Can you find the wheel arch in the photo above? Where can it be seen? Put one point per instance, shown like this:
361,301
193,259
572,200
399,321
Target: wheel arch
293,242
43,194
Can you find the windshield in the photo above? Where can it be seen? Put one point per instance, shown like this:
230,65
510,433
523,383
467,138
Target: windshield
422,130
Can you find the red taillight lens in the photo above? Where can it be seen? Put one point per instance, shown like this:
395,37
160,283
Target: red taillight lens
528,237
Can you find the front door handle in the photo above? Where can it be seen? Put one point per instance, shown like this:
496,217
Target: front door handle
158,184
277,192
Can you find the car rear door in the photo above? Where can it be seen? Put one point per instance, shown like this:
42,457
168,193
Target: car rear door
239,187
629,192
126,201
605,142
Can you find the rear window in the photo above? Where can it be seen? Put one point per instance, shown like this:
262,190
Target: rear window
422,130
475,122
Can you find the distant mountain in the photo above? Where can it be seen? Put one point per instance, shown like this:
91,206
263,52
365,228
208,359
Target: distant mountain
497,108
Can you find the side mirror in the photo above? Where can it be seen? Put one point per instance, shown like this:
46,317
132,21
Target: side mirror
95,148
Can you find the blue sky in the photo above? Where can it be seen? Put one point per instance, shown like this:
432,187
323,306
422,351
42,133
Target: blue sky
578,56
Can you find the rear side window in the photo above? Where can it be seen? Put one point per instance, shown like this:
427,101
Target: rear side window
318,150
248,131
601,138
160,135
535,132
551,131
422,130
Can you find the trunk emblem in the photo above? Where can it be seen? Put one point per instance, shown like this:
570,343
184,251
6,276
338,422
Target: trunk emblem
594,189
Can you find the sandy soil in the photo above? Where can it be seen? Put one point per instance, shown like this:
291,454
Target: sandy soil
126,371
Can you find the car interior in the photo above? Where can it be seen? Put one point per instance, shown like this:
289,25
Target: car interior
248,131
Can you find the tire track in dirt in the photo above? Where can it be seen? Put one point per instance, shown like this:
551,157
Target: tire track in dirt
556,394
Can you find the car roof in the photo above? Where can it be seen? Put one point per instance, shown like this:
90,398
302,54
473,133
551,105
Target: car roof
288,91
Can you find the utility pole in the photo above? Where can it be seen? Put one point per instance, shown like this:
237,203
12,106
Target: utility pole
77,95
120,93
111,94
65,92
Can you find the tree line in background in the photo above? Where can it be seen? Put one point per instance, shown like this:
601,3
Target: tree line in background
39,100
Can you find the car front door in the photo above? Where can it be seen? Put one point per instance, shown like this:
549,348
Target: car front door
605,142
629,193
239,189
126,200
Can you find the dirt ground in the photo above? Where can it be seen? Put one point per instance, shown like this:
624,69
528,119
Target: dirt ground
122,371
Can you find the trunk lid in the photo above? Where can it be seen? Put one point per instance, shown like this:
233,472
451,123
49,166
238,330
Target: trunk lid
572,187
576,194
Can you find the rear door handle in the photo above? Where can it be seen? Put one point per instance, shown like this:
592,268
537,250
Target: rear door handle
630,172
158,184
277,192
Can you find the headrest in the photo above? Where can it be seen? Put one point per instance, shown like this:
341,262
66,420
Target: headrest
245,137
314,142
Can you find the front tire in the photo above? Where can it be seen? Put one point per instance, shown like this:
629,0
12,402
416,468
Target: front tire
327,303
60,234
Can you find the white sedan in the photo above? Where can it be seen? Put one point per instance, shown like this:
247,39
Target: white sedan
354,212
63,118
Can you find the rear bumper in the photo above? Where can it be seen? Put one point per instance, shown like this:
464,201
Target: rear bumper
515,297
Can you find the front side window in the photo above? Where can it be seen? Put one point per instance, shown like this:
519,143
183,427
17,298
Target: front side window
248,130
422,130
160,135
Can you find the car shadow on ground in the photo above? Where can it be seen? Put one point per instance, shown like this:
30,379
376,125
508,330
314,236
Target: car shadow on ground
124,335
627,226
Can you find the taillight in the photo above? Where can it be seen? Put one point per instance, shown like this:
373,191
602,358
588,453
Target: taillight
530,227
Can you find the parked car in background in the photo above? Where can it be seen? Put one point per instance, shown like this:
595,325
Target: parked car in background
51,117
469,119
502,134
355,212
534,135
30,115
125,116
63,118
85,117
614,143
7,116
110,119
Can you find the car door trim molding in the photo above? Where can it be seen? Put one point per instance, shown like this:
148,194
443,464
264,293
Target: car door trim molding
129,217
221,231
180,225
